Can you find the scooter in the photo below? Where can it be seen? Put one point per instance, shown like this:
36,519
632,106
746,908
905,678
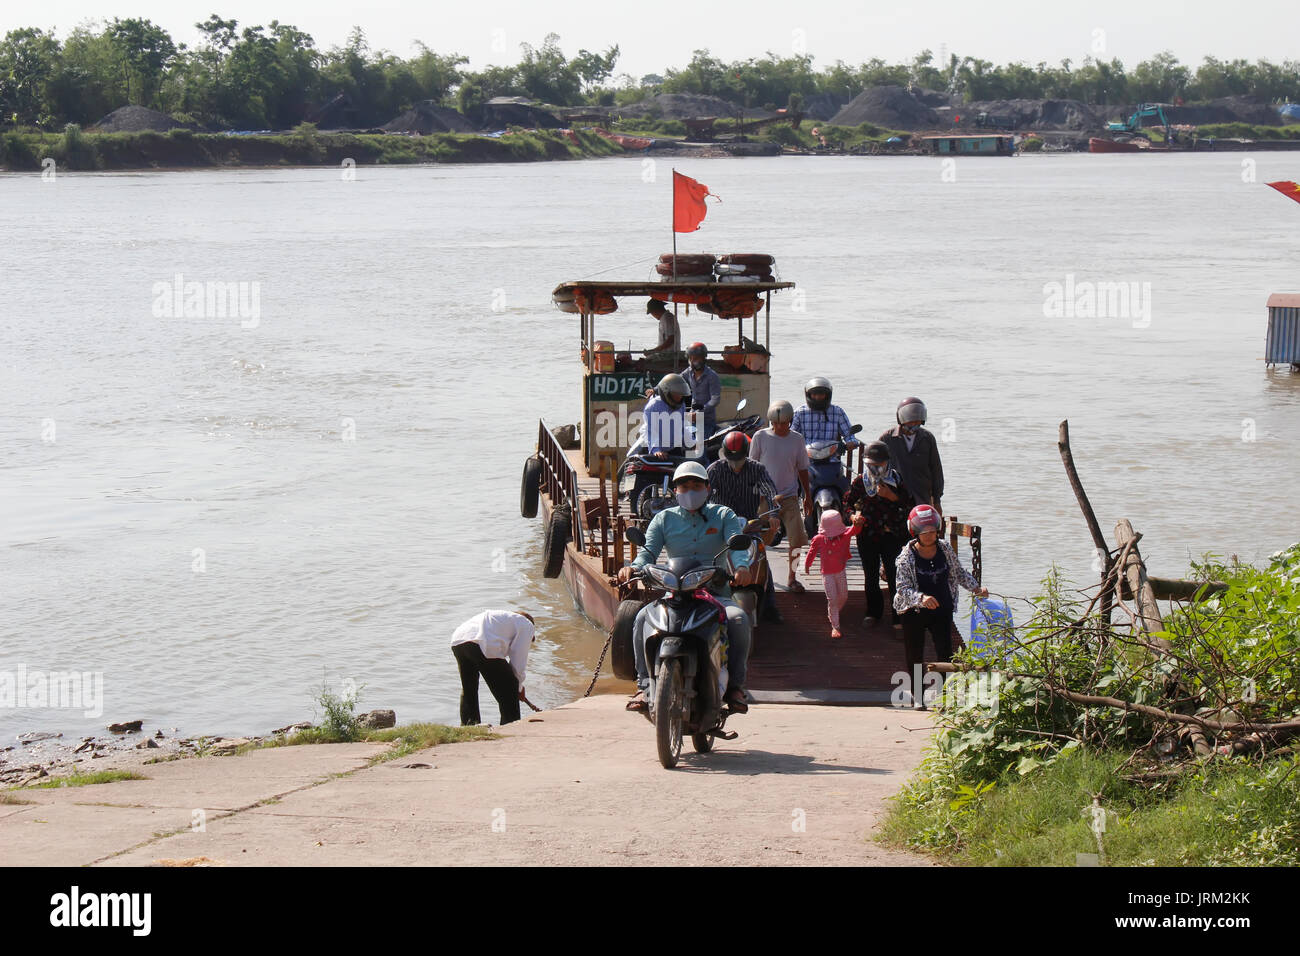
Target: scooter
750,597
828,478
686,644
644,479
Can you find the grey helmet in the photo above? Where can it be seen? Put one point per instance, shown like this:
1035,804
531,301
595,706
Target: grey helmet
673,389
816,383
780,411
911,410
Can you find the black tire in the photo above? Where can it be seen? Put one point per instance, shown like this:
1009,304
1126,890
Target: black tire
530,487
622,656
702,743
553,545
669,700
812,522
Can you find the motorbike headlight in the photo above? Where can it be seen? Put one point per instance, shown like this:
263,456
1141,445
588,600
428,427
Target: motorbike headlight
697,579
663,577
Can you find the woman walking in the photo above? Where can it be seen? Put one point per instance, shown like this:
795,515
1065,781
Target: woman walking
928,573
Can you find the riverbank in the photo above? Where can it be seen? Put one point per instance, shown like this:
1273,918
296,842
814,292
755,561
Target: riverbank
30,151
578,785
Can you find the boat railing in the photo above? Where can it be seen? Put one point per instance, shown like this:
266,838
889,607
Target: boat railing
956,531
560,482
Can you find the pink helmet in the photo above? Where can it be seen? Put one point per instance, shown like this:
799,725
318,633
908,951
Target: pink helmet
924,518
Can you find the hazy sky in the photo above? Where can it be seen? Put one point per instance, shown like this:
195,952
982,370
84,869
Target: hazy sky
655,35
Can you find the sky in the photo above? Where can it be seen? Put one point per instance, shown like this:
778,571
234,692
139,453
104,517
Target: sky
662,34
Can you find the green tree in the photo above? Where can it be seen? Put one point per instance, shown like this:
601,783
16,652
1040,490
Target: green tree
30,62
145,50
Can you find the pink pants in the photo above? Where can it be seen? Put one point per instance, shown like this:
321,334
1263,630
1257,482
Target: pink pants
837,595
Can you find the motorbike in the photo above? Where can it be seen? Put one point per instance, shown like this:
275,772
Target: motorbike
750,597
643,480
686,649
827,477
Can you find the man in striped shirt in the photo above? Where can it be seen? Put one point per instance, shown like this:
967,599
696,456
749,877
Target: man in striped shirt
744,486
819,420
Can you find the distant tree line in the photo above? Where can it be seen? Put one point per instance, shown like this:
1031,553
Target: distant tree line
261,77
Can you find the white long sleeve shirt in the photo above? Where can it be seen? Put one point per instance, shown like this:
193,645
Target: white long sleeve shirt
500,635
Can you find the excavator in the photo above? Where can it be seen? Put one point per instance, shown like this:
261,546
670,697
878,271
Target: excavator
1133,125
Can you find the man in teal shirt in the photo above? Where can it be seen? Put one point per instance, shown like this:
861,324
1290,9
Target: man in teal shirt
695,529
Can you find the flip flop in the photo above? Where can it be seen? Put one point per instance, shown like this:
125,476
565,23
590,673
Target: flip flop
638,704
795,587
835,633
735,699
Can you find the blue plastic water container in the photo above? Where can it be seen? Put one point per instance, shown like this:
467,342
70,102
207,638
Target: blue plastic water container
990,624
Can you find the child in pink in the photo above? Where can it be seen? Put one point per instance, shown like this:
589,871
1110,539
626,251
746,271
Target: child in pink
833,546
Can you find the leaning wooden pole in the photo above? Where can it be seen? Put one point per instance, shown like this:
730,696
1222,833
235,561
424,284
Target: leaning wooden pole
1098,539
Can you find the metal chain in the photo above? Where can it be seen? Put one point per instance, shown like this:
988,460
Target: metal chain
603,651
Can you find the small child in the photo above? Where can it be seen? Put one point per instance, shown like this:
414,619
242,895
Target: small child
833,546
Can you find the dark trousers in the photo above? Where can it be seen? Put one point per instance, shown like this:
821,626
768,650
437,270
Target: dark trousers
916,623
500,679
873,554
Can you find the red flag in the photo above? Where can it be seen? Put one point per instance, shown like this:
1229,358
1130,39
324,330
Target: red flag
688,203
1291,190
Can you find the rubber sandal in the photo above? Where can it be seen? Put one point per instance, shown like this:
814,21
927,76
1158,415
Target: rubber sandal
835,633
735,699
638,704
795,587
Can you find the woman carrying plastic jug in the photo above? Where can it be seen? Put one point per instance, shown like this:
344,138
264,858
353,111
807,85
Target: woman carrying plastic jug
928,575
833,546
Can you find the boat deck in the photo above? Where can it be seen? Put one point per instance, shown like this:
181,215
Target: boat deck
797,660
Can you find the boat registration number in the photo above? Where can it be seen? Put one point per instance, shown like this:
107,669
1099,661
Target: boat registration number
618,385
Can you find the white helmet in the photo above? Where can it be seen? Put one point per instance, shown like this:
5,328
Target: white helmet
689,469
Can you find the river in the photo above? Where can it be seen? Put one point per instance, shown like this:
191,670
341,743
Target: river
218,514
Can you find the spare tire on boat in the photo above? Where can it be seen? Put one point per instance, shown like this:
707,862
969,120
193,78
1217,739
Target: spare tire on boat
622,658
748,259
554,543
530,486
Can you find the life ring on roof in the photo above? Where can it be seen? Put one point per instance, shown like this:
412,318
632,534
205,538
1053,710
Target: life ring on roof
564,301
748,259
687,263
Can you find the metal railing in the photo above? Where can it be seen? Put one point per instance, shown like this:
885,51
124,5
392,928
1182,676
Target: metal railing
560,482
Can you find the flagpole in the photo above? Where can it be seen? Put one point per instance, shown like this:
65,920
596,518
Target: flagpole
674,225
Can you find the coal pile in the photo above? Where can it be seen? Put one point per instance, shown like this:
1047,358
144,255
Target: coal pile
1035,114
678,106
892,107
426,118
137,119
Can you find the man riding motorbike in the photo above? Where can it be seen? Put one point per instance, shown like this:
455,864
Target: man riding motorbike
819,420
694,529
664,424
705,386
745,486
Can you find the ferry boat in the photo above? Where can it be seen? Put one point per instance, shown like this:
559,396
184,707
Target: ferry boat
573,487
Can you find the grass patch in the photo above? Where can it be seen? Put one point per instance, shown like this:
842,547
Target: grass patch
407,738
1247,131
86,779
1230,813
8,798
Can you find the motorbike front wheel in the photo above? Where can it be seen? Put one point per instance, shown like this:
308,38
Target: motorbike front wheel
668,705
702,743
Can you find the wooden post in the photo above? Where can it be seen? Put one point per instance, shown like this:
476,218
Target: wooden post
1067,458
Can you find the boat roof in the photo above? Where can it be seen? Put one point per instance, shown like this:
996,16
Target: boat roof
657,290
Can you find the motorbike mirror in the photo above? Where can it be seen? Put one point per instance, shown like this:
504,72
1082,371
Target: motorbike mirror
739,542
636,536
740,405
855,429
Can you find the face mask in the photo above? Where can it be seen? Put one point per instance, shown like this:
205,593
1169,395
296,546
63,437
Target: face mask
697,365
908,430
736,466
693,500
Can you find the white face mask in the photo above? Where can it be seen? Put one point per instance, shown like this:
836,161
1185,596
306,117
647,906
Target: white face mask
693,500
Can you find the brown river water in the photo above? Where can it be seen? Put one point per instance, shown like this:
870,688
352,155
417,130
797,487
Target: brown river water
215,510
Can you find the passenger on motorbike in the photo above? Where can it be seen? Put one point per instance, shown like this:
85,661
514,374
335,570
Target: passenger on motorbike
705,386
699,530
818,420
663,426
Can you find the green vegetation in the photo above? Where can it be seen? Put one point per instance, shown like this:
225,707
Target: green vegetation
408,738
25,149
1248,131
273,77
86,779
1019,758
12,799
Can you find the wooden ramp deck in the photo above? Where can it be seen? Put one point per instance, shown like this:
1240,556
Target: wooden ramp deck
797,661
